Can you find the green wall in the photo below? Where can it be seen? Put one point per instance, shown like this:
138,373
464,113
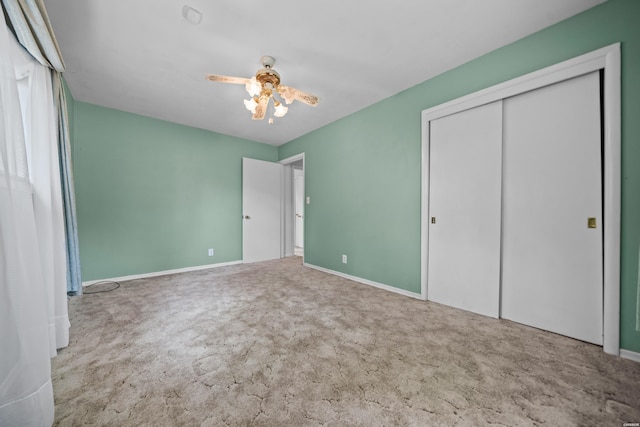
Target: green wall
363,172
154,196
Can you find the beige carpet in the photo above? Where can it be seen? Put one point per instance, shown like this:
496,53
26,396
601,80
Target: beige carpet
279,344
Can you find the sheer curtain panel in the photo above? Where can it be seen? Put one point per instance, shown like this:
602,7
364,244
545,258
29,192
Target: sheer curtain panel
33,306
35,92
26,394
30,22
74,279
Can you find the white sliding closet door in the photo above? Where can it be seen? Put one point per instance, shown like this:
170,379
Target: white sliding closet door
464,201
552,262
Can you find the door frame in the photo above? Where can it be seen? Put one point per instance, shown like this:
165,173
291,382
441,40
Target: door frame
298,234
288,188
607,59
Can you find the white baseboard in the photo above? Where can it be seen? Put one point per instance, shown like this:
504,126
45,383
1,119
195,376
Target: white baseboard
367,282
160,273
631,355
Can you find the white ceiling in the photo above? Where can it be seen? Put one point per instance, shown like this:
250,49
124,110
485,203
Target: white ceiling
143,57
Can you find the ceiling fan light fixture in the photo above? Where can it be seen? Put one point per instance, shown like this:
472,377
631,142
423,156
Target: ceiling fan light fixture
264,87
251,105
279,109
253,87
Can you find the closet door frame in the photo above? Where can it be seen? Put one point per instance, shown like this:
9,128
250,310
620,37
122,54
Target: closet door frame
607,59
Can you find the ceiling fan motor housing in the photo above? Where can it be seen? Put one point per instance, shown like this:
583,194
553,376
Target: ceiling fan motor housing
267,61
268,75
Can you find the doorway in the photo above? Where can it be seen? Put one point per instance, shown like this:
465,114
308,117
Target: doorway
293,200
298,202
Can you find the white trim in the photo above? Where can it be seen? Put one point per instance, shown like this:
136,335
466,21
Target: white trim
424,209
366,282
631,355
292,159
161,273
612,200
283,185
607,58
583,64
287,207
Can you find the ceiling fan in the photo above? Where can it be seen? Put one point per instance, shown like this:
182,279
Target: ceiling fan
265,85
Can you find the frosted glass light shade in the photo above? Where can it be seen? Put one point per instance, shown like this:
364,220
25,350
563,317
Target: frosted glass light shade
251,104
253,87
280,110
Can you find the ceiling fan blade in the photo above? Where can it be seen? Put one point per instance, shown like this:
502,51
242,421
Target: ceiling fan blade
261,109
291,94
227,79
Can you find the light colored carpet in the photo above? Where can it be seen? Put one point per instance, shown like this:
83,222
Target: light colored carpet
279,344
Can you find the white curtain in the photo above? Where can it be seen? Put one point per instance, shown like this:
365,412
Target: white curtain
40,125
33,307
30,22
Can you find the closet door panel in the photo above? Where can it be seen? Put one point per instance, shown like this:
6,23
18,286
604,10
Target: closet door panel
552,262
464,201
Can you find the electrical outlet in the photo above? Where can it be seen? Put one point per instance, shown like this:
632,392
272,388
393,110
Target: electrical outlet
211,252
344,259
308,200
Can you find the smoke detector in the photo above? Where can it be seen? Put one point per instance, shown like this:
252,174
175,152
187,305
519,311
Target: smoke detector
192,15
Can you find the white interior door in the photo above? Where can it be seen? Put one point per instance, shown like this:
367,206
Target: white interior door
299,207
552,262
464,204
261,207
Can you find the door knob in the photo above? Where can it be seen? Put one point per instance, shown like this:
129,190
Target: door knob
247,217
